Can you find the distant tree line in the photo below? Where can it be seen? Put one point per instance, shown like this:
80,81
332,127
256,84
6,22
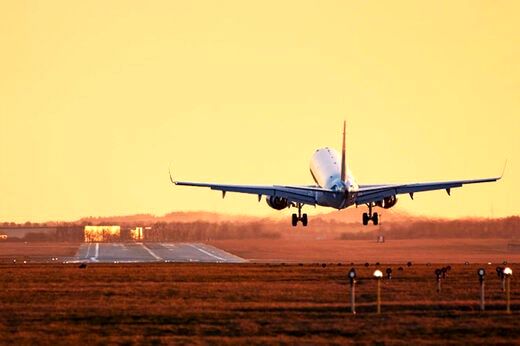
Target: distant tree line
201,231
504,228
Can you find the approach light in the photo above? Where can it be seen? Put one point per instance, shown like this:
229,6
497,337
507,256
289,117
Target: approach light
507,276
389,273
500,271
352,277
378,274
481,273
352,274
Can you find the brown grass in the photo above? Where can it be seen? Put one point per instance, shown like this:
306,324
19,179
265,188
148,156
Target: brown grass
248,304
35,251
392,251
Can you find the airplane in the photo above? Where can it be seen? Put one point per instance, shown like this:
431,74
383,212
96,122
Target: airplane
335,187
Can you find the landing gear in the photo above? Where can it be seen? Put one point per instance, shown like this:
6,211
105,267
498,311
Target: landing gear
370,217
299,217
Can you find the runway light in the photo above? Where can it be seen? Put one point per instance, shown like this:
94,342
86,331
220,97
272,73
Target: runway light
438,274
443,271
508,273
378,275
502,277
481,272
352,279
389,273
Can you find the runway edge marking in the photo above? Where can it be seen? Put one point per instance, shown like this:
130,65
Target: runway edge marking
223,251
207,253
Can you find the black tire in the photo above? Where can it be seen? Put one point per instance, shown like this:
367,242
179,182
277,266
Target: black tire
304,220
375,219
365,219
294,220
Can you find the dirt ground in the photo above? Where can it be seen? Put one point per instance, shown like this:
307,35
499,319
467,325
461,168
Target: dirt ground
250,304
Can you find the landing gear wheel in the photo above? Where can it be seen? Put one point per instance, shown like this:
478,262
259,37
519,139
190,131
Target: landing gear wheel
304,220
375,219
365,219
294,220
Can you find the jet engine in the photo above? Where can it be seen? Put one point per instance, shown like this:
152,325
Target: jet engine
277,203
388,202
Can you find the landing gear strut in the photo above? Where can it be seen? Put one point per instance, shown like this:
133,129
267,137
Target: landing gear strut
370,217
299,217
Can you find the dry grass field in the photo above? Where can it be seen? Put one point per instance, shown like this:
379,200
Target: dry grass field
392,251
37,251
248,304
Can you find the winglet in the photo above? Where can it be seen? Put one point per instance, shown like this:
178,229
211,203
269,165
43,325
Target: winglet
171,178
503,170
343,162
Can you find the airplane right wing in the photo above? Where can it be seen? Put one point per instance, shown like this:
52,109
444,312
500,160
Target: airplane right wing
374,193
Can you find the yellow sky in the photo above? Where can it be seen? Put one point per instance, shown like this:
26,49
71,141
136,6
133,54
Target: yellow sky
98,98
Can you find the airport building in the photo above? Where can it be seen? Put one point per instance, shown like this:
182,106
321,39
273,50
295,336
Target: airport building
107,234
101,234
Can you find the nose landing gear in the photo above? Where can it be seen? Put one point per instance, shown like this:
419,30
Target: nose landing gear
374,217
299,217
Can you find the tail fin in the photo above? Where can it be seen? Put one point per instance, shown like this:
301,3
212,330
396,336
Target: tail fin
343,160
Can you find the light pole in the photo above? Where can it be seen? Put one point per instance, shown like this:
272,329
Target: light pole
508,273
438,274
500,274
389,273
481,273
378,275
352,278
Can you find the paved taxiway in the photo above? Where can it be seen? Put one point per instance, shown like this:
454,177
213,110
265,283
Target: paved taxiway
153,252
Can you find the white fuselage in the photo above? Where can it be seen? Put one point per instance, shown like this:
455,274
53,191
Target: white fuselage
325,168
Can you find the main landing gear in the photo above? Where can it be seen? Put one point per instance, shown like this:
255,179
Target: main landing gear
299,216
369,216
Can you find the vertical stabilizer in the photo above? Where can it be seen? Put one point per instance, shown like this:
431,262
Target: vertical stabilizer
343,160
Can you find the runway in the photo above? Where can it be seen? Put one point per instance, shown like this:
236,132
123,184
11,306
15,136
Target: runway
152,252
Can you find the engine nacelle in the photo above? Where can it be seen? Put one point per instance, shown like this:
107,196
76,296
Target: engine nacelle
388,202
277,203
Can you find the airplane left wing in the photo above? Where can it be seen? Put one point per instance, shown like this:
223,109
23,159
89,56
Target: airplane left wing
374,193
295,194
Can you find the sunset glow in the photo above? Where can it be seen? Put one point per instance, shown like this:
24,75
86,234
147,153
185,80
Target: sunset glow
99,99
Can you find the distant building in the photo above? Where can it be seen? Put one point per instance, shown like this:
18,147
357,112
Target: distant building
100,234
136,234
